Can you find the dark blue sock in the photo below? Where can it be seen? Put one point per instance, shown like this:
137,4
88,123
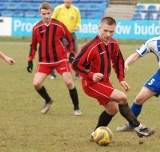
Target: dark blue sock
136,109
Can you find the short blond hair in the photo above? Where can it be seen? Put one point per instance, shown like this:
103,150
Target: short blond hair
45,5
108,20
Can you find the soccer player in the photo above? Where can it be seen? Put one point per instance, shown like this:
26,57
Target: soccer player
69,15
94,63
7,58
152,86
48,34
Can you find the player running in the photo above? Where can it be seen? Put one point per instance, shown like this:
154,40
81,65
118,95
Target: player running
152,86
94,63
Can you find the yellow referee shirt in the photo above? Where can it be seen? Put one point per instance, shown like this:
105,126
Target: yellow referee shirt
68,16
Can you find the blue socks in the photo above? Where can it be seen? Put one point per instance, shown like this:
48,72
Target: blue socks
136,109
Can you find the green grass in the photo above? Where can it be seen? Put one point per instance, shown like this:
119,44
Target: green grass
149,1
24,129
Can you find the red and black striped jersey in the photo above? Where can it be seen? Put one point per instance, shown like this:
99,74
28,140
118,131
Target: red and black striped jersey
49,40
97,56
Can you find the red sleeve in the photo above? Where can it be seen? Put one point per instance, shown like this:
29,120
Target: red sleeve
33,46
118,63
68,36
82,62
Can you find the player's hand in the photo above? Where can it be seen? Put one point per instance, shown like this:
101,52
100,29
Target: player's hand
126,67
30,66
9,60
125,85
97,77
71,57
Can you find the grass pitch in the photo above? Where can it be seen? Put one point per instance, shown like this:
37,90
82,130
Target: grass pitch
24,129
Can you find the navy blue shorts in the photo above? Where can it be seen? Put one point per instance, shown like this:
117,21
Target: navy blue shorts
154,83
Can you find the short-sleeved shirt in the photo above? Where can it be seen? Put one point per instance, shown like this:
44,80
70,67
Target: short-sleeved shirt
68,16
151,46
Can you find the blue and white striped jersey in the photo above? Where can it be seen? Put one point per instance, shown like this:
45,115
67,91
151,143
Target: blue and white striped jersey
151,46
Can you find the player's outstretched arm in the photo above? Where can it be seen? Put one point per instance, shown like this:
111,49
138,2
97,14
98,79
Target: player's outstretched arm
6,58
131,59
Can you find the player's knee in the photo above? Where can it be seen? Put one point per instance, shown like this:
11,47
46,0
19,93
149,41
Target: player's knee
37,85
112,108
139,100
69,84
123,99
115,110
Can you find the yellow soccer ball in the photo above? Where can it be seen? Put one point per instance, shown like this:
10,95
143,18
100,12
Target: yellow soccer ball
103,136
